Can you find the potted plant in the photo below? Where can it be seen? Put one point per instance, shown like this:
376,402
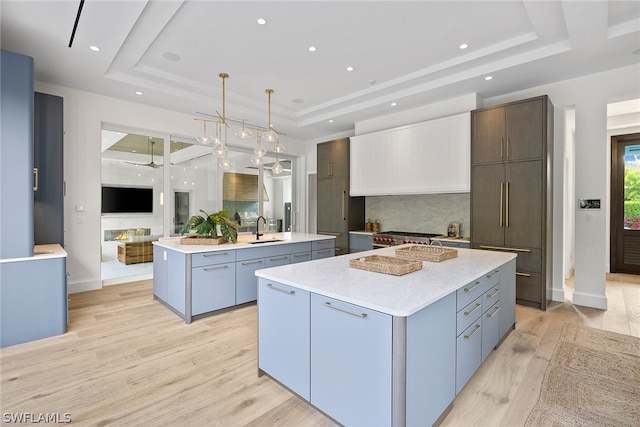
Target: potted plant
206,228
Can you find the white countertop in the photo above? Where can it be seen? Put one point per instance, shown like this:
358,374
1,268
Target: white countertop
452,239
41,252
394,295
287,238
369,233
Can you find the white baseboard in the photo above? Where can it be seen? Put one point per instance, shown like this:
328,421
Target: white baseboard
87,285
127,279
590,300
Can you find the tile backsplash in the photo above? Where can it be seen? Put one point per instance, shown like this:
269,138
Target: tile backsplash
425,213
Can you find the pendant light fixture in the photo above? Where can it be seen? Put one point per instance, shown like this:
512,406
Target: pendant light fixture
243,133
272,136
220,145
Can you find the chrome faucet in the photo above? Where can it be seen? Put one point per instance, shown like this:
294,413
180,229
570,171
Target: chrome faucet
258,234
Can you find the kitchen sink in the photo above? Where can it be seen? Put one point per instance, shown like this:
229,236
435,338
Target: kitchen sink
255,242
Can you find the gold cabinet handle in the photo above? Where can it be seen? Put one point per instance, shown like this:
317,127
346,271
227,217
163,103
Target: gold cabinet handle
506,205
501,197
504,248
523,274
501,148
36,179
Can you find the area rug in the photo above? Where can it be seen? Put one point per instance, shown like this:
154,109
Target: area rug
593,379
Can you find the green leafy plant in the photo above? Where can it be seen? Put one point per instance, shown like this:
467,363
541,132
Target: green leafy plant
207,225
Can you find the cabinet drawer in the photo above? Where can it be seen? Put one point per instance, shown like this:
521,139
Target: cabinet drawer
490,297
526,261
300,257
276,260
213,257
476,288
468,354
322,244
323,253
529,287
468,315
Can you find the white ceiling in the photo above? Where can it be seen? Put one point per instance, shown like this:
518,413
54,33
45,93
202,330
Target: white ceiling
403,52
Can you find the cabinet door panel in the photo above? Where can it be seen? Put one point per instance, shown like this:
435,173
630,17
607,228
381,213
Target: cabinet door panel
213,288
524,130
283,335
488,135
350,362
490,329
246,280
487,200
523,226
529,287
299,257
468,354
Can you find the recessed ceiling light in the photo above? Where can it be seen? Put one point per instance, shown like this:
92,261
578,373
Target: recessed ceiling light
330,120
170,56
138,93
94,48
261,21
297,100
312,48
393,104
488,78
349,68
464,46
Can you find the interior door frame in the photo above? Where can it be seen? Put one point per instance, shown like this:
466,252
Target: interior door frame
618,142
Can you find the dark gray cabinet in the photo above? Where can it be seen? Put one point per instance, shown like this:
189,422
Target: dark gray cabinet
48,206
511,190
337,211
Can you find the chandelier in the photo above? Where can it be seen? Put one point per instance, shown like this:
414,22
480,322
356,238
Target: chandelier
219,141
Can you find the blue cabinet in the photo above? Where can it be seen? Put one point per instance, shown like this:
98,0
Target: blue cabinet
507,298
300,257
490,329
351,362
283,335
359,242
323,248
16,163
246,280
213,287
161,273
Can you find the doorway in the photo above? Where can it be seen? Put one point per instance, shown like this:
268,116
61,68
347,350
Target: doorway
625,204
180,210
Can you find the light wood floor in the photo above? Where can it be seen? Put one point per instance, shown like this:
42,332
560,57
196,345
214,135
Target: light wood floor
127,361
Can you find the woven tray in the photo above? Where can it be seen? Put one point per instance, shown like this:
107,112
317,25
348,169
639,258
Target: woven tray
199,240
385,264
427,253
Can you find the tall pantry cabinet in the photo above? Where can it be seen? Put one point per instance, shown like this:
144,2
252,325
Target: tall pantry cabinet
511,190
337,211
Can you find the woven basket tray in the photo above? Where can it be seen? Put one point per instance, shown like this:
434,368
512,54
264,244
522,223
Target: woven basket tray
385,264
427,253
199,240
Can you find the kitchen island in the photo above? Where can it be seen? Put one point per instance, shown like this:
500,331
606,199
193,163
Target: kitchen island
200,280
374,349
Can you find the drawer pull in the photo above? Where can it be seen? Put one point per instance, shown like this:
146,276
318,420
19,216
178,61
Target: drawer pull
472,288
478,305
345,310
494,294
259,261
522,274
493,274
301,255
494,313
324,251
323,242
466,337
214,254
504,248
275,288
217,267
278,258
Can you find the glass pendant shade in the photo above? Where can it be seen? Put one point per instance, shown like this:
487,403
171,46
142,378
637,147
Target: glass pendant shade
243,133
257,161
277,168
269,136
259,151
221,151
226,164
278,148
206,138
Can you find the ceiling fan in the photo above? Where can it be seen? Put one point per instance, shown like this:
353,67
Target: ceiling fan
151,164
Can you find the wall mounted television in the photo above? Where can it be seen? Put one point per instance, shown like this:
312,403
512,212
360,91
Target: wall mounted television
132,200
